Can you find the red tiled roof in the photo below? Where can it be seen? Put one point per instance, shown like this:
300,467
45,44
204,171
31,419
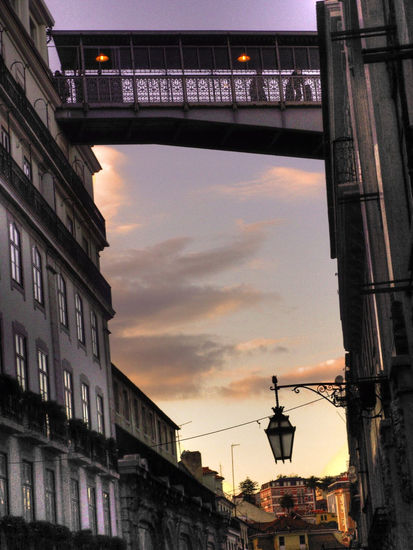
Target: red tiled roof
287,523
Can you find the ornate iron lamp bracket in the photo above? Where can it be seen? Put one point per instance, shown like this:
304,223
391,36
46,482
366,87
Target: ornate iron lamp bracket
335,392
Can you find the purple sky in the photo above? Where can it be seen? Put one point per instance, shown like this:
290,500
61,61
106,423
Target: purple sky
219,264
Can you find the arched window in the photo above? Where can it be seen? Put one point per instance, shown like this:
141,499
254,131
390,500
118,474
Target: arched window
37,275
15,254
62,300
80,327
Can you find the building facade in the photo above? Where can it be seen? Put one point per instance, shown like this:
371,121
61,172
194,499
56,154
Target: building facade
164,504
57,458
367,77
272,492
338,502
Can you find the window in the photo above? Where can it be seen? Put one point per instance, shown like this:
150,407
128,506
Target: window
75,505
85,404
85,245
79,319
91,500
172,441
37,275
62,300
116,397
281,541
144,421
27,168
68,390
136,412
106,514
27,488
126,412
5,139
42,364
50,494
302,539
70,225
15,254
21,360
4,492
94,333
100,414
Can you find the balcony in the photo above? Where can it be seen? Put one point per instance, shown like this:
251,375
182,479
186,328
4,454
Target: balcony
30,120
44,423
38,205
92,449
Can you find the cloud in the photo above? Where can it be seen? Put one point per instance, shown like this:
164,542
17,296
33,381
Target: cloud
321,372
160,289
171,366
261,344
110,191
144,309
168,261
277,182
255,383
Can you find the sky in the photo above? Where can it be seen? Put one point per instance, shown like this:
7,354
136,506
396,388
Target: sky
220,269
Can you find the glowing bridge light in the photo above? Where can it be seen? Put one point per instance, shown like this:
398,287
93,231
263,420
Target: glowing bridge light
243,58
102,57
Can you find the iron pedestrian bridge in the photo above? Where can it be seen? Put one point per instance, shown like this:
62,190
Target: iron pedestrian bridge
256,92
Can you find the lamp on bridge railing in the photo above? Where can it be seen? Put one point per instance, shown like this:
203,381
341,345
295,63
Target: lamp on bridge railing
102,58
243,58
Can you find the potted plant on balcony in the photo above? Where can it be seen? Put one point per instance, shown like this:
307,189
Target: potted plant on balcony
79,434
34,407
16,531
10,396
57,420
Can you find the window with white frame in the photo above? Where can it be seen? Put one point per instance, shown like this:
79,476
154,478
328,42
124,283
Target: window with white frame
37,275
27,168
15,254
21,360
75,505
42,364
62,300
91,500
94,334
50,496
106,514
100,414
27,490
5,139
4,486
80,327
85,404
68,393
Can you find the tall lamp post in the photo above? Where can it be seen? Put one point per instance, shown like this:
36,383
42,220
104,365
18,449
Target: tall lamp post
232,463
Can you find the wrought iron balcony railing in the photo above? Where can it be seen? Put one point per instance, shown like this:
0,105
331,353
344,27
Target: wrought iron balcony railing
46,215
192,89
27,116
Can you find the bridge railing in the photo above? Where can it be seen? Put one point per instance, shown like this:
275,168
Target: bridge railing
144,89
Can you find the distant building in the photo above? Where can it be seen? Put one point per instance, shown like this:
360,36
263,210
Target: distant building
164,504
288,533
272,492
236,536
338,502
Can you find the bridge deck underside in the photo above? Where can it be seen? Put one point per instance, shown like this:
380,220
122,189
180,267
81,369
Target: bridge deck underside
292,132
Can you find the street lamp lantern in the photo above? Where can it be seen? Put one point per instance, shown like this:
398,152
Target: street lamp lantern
280,433
243,58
